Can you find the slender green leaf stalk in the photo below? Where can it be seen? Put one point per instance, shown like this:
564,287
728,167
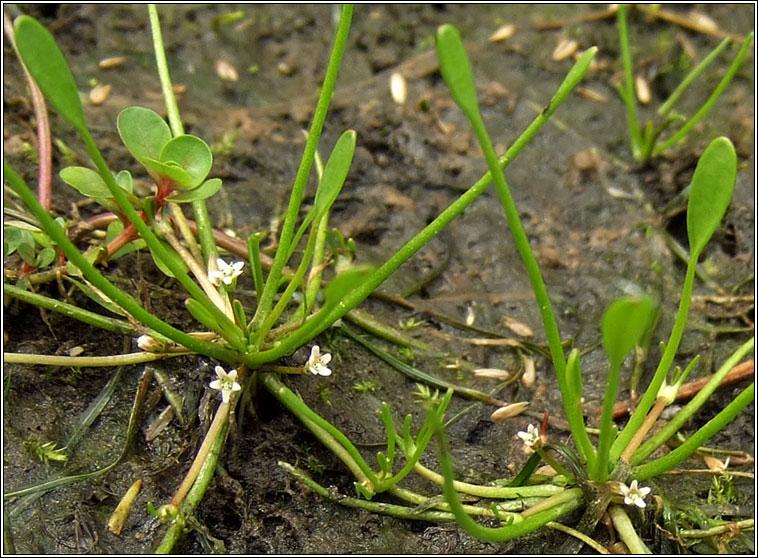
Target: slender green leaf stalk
651,394
627,90
670,460
92,318
92,361
272,282
499,534
315,326
691,408
457,74
711,100
626,530
304,413
200,210
666,107
96,278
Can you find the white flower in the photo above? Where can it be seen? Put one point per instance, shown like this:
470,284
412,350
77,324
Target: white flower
634,495
531,436
226,383
317,362
225,273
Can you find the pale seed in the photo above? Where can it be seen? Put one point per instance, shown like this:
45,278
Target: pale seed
494,373
225,71
565,48
530,372
509,411
99,94
502,33
643,90
592,95
517,327
398,88
112,62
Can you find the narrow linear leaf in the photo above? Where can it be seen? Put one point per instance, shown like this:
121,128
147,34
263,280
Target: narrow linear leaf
48,67
201,314
710,192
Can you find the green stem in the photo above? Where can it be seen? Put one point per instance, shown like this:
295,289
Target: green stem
651,394
315,326
711,100
626,531
111,291
498,534
666,107
663,464
627,91
684,415
304,413
280,258
103,322
607,428
200,210
93,361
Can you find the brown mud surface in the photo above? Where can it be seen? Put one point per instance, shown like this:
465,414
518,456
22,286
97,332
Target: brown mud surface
595,218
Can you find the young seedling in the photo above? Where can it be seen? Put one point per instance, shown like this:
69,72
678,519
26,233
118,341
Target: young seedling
644,141
604,470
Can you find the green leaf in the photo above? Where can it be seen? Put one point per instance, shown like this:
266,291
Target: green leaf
456,70
48,67
202,314
344,283
192,154
171,170
86,181
335,173
45,257
624,323
202,192
574,375
710,192
143,132
175,259
124,180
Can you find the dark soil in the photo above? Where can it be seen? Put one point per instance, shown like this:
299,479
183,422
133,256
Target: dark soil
595,218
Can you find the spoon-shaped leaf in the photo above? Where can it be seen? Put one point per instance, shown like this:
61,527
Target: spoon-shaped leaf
171,170
456,70
46,64
202,192
192,154
710,192
623,325
143,132
330,185
86,181
335,173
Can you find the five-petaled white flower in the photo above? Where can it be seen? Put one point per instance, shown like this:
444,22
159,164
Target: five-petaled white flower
531,436
317,362
225,273
634,495
226,383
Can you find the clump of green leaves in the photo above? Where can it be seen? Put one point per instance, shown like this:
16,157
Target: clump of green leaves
45,452
618,457
644,140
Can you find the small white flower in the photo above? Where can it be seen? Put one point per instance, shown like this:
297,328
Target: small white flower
531,436
634,495
317,362
226,383
225,273
150,345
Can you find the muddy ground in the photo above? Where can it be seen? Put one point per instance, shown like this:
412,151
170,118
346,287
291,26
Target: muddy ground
596,220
